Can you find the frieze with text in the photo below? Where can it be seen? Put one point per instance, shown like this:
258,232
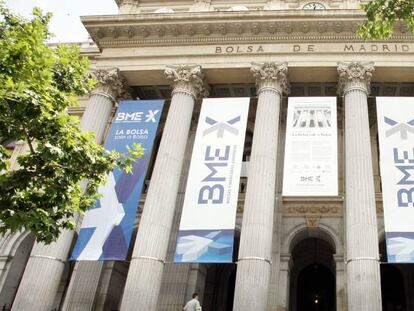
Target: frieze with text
359,48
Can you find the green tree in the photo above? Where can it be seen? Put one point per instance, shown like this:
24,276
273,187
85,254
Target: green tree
382,16
37,86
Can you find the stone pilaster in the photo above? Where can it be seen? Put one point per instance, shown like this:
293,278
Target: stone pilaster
40,281
254,263
340,283
284,284
363,270
148,258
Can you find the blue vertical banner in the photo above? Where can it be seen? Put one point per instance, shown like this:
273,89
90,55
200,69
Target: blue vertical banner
208,220
106,228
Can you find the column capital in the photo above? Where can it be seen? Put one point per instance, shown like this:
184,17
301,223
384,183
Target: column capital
355,75
186,79
271,75
110,83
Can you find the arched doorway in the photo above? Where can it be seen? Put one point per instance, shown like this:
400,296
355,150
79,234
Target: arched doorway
315,289
312,278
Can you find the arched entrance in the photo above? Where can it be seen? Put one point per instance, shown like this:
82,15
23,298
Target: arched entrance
315,289
312,278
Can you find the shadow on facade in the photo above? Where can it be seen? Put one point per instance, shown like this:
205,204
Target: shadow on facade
397,284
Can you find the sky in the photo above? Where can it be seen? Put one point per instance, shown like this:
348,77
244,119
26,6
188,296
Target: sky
66,24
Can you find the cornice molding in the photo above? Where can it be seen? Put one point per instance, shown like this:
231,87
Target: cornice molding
226,27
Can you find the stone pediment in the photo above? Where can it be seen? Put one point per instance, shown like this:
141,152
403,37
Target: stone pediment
229,27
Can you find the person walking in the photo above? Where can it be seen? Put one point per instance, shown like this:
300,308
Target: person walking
193,304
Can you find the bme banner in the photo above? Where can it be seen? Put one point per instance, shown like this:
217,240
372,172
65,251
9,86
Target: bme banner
209,212
396,140
311,149
106,228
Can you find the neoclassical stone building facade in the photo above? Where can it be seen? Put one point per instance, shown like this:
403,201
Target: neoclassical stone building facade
293,253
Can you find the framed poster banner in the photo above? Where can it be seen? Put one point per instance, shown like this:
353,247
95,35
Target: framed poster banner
208,219
311,149
396,143
106,228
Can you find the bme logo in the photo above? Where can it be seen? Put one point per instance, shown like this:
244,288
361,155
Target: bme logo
137,116
220,127
398,127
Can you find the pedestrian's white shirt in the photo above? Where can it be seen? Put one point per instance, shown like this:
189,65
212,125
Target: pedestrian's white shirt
192,305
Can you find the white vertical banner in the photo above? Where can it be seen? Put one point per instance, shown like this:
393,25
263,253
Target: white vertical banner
311,149
208,219
396,142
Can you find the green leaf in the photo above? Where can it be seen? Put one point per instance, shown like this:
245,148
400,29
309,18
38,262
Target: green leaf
37,86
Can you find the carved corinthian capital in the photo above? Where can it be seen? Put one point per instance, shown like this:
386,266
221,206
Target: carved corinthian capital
271,75
111,83
354,75
187,79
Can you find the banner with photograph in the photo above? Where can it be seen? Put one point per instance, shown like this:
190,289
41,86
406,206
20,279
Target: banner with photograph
106,228
396,144
209,212
311,149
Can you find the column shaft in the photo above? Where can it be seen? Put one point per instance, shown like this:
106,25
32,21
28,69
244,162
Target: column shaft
81,294
363,270
43,273
175,277
147,263
253,269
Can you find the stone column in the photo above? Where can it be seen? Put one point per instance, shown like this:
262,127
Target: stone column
148,258
254,263
85,278
363,270
43,273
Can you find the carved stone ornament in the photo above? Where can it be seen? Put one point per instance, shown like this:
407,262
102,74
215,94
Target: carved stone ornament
355,75
111,83
325,210
312,221
127,2
200,5
271,75
128,6
186,78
